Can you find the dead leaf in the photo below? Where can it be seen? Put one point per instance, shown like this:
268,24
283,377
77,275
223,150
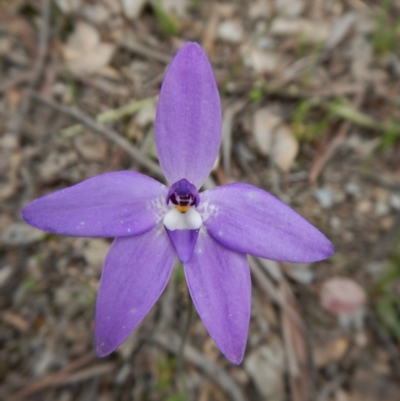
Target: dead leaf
84,53
285,148
133,8
177,7
262,61
332,351
313,31
274,138
68,6
91,146
265,122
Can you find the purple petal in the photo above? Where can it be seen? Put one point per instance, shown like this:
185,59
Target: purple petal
220,286
114,204
135,274
188,118
249,220
184,242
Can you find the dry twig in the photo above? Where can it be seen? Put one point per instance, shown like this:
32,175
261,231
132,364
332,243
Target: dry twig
227,125
320,161
54,379
171,342
108,133
38,67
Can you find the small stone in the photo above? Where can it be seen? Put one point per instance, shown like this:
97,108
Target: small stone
381,208
365,206
352,188
231,31
95,252
133,8
325,197
394,201
5,274
259,9
290,8
96,13
335,222
262,61
375,269
68,6
21,234
265,367
387,223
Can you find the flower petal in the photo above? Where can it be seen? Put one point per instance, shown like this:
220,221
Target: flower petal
135,274
188,118
220,286
184,242
249,220
116,204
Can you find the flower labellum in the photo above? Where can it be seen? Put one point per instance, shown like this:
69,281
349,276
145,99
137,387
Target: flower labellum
210,232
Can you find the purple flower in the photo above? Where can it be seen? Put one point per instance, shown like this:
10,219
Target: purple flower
210,232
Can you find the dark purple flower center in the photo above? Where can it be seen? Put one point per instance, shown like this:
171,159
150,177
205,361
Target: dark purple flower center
183,194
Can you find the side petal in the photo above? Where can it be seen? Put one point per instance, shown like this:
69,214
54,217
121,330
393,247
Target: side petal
188,118
249,220
220,286
116,204
135,274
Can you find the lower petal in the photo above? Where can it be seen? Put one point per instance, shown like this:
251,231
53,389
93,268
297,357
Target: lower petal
220,286
184,242
135,274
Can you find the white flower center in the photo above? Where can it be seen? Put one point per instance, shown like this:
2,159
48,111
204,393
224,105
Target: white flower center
175,220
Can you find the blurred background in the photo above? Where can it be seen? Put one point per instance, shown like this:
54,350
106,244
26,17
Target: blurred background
311,97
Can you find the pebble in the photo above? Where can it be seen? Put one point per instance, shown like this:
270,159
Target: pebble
265,366
365,206
21,234
387,223
394,201
290,8
335,222
352,188
325,197
381,208
231,31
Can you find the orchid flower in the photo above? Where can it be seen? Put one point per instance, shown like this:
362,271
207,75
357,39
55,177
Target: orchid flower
209,232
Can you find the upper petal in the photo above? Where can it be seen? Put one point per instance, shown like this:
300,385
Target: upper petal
249,220
188,118
135,273
220,286
114,204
